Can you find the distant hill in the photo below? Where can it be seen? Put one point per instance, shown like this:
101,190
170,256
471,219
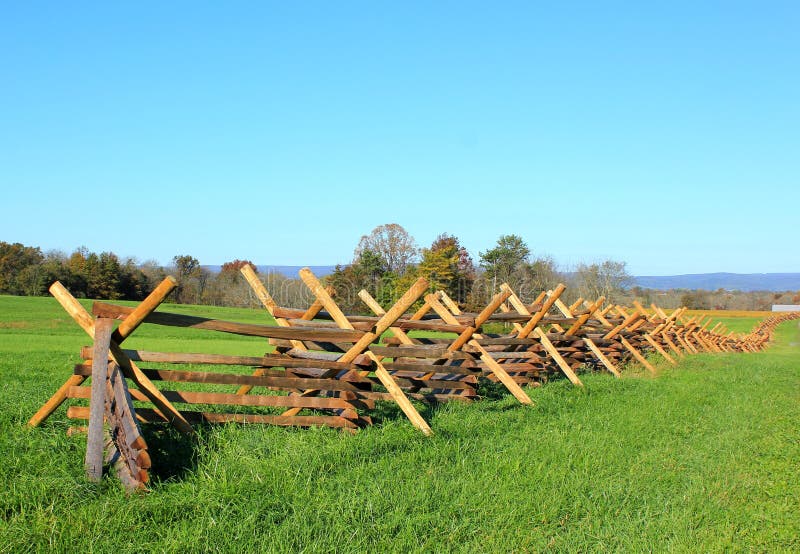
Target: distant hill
775,282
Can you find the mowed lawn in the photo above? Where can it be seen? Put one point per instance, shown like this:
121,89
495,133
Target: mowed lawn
702,458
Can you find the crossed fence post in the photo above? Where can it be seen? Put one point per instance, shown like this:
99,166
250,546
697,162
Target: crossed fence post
471,337
647,335
615,332
324,300
468,337
567,311
384,323
531,327
663,329
128,367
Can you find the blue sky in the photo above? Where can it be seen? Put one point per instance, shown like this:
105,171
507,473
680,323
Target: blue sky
667,136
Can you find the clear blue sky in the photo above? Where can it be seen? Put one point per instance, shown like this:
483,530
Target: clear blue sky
664,135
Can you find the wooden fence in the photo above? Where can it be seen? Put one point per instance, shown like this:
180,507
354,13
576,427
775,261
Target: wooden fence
326,368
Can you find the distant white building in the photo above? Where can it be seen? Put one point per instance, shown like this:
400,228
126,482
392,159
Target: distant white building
786,307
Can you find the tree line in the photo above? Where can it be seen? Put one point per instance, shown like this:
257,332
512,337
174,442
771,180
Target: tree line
26,270
385,262
388,260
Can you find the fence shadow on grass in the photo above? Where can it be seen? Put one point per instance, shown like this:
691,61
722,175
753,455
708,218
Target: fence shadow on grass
174,454
385,411
491,390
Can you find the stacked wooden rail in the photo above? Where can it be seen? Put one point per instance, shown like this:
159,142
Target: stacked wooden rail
323,386
763,333
325,368
441,369
434,388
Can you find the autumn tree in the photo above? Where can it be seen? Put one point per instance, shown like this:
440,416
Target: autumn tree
538,275
508,256
609,278
153,272
380,259
187,269
36,279
185,266
25,270
368,271
447,266
438,267
393,244
133,283
347,280
76,269
14,260
696,300
235,266
230,288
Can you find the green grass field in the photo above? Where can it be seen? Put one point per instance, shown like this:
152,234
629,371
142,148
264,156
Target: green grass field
704,457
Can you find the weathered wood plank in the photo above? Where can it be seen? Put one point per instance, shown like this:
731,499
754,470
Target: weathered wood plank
416,383
507,341
424,397
232,379
93,463
420,351
191,397
125,433
426,368
102,309
309,359
387,320
81,412
406,319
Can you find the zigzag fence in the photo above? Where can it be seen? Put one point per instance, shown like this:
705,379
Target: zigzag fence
326,368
